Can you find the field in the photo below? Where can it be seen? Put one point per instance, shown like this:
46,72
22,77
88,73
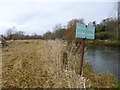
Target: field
0,66
39,64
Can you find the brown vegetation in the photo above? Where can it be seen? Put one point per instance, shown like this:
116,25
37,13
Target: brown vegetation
31,64
38,63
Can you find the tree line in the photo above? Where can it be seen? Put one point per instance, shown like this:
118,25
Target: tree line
13,34
106,30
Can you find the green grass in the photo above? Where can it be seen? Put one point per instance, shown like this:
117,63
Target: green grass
110,41
114,41
89,41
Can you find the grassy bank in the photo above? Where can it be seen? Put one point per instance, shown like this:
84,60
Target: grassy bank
39,63
99,80
111,43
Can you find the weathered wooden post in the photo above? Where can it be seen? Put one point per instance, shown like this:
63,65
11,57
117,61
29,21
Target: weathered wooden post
65,59
82,55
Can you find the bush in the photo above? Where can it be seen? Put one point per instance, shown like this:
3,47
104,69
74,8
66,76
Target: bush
102,35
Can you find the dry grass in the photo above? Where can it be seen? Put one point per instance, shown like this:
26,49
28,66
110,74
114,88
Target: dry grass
0,65
38,63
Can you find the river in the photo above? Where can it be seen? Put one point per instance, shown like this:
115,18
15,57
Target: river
104,60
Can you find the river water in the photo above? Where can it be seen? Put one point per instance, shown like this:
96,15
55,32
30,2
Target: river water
104,60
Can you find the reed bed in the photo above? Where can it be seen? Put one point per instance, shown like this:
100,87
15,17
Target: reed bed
0,65
39,64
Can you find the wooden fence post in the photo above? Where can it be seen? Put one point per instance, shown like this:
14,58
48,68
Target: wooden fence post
65,59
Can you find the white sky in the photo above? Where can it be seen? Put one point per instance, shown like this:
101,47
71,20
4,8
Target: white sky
39,17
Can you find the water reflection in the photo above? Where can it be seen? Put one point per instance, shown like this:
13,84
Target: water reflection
104,60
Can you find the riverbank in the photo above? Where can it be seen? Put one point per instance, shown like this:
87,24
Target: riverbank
38,63
110,43
99,80
96,80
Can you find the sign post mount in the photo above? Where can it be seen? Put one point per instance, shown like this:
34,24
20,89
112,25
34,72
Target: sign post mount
84,32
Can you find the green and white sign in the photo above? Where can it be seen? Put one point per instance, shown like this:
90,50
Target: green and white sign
84,31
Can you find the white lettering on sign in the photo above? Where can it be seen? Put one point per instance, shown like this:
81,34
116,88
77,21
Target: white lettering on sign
89,34
83,31
81,28
91,29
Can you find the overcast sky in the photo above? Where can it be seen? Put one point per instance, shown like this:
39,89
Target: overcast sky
39,17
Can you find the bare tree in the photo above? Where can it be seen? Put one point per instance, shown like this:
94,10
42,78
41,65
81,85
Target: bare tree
57,27
9,33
